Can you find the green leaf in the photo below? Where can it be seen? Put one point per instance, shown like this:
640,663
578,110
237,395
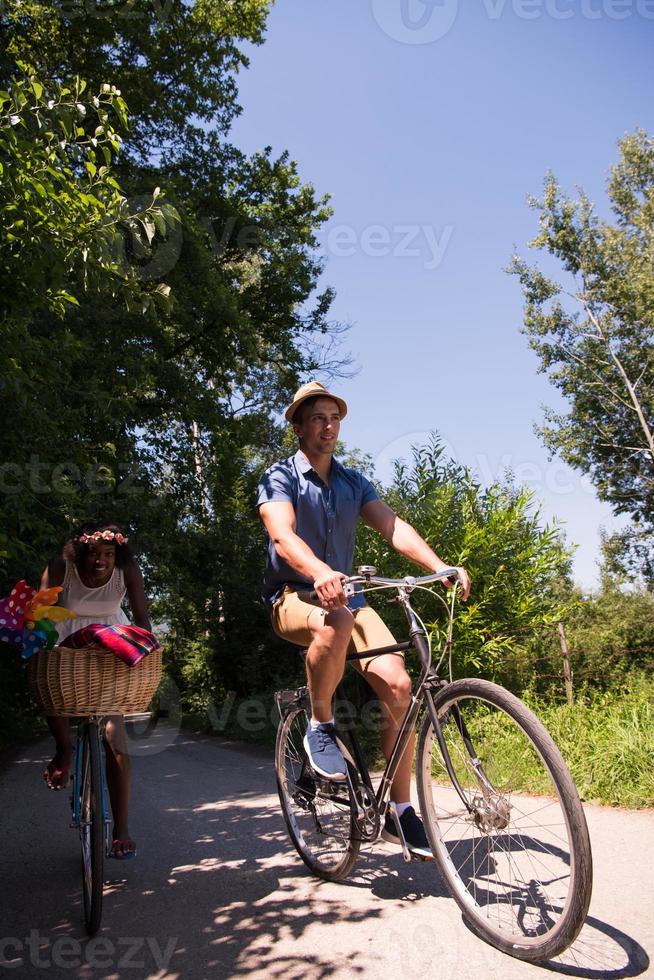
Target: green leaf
160,222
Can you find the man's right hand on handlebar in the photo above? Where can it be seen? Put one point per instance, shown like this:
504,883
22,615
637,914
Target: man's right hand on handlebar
328,587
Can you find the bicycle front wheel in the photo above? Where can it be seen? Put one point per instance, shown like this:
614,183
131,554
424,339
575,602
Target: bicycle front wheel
91,827
516,854
321,816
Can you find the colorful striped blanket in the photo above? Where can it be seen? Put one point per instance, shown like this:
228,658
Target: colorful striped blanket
129,643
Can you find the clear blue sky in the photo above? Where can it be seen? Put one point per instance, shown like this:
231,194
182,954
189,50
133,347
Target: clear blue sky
429,123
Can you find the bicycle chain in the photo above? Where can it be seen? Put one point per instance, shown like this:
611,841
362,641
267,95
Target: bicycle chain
370,825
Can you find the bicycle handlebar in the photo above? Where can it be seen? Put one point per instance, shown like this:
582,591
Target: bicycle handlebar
408,582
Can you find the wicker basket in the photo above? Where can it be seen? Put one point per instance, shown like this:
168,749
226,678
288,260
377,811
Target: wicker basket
91,680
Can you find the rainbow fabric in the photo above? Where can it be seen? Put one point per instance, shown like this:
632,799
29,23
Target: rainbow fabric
129,643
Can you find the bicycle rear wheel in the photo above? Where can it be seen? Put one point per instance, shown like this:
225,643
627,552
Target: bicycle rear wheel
91,827
321,816
517,858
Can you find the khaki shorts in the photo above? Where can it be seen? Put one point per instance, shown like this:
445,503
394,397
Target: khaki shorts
290,616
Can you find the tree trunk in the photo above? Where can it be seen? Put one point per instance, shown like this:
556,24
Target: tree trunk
567,673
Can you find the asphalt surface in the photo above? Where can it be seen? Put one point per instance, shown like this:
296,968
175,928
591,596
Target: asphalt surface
218,891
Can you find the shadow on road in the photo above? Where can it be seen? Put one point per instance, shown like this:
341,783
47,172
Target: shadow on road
601,952
217,889
213,890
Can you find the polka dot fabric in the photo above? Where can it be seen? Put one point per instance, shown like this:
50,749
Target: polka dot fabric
12,609
21,622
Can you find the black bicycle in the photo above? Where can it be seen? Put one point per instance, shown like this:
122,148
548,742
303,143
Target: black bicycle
501,812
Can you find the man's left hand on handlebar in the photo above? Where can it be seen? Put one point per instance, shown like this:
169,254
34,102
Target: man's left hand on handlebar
464,582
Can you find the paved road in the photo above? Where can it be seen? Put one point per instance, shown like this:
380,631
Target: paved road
217,891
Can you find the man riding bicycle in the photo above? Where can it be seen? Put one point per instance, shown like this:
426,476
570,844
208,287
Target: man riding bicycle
310,505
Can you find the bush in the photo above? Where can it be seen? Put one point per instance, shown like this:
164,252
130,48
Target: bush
515,562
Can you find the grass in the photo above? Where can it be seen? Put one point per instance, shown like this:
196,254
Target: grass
607,740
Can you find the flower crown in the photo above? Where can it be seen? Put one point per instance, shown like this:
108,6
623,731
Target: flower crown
102,536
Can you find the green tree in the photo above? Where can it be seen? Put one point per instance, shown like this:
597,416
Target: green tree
610,633
175,61
64,222
594,334
517,565
118,393
161,423
61,208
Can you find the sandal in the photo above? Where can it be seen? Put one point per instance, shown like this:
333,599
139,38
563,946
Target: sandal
118,845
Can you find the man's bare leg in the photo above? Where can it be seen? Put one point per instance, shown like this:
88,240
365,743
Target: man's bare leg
389,680
326,657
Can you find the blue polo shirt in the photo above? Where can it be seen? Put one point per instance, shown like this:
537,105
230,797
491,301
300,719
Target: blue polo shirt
326,517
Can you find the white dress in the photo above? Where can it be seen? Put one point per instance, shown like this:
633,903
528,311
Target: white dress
98,605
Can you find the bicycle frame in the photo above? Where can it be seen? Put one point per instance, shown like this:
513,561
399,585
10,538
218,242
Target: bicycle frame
421,695
76,819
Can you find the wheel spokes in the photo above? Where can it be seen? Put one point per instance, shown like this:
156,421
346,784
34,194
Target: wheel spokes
510,854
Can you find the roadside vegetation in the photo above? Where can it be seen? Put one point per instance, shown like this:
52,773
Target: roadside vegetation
607,740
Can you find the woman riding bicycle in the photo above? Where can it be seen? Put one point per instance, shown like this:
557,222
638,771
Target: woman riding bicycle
96,569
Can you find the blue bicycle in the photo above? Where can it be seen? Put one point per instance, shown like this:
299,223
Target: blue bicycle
89,805
90,685
90,812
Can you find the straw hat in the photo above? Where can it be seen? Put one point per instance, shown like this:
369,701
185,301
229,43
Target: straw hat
312,389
